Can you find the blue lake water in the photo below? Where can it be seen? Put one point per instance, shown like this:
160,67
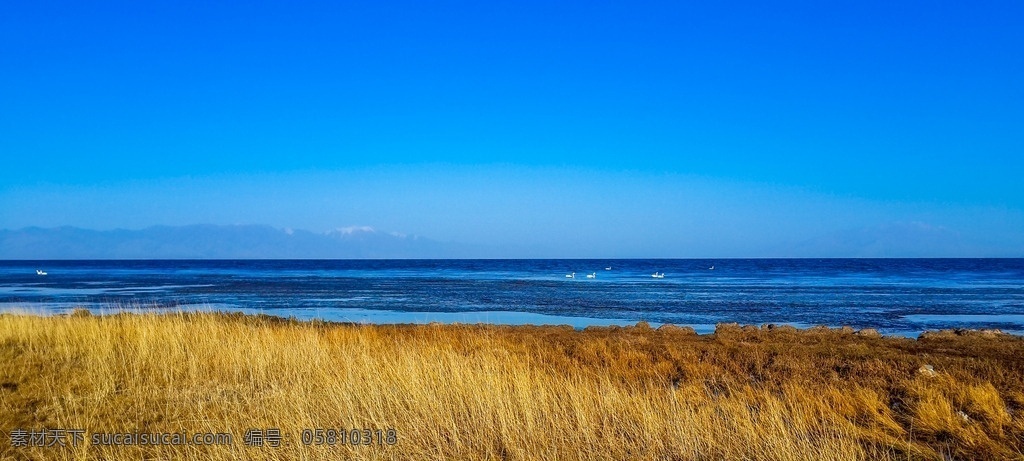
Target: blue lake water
897,296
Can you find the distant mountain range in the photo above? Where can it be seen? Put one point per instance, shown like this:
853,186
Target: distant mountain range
218,242
361,242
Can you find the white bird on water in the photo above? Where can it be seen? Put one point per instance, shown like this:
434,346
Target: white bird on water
570,276
40,272
592,276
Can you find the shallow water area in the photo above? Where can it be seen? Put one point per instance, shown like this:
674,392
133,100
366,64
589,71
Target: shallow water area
900,296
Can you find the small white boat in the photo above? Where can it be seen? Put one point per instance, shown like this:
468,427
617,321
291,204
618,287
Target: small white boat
592,276
658,275
570,276
40,272
711,268
608,268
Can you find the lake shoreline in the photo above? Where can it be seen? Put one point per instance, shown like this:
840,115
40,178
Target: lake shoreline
498,318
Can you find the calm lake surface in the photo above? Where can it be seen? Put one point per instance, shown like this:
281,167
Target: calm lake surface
896,296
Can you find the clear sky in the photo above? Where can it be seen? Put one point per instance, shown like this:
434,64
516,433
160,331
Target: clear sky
578,129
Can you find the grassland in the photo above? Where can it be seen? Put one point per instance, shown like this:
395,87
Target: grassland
494,392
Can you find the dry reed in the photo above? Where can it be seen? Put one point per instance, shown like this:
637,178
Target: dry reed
495,392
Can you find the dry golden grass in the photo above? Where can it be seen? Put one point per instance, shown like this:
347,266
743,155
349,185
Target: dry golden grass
493,392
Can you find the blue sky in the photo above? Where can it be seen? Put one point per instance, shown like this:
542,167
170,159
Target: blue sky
584,129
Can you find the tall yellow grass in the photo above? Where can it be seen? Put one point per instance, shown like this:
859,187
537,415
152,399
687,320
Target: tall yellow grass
490,392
